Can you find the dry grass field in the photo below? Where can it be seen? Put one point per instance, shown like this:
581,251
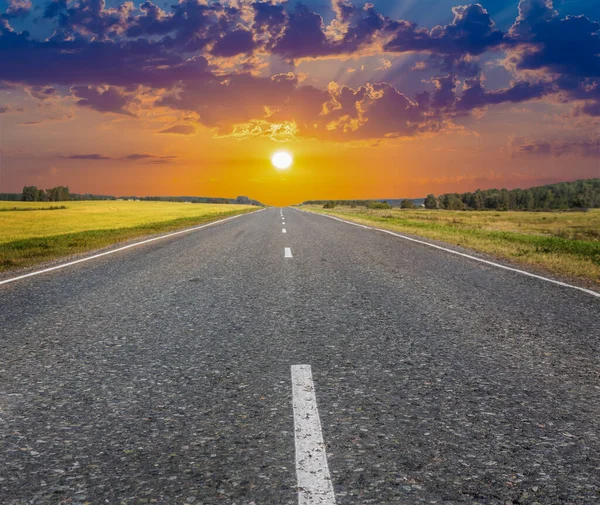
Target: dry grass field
562,243
29,235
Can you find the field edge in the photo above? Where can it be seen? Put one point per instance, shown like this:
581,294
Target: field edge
27,255
539,268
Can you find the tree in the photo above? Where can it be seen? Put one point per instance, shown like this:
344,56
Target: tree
431,202
379,205
530,200
478,201
30,194
58,194
407,204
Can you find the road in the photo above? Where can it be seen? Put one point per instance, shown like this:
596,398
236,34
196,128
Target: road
162,374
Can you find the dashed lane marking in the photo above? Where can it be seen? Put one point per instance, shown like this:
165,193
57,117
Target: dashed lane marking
314,480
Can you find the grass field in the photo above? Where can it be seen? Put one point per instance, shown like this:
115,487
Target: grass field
563,243
36,236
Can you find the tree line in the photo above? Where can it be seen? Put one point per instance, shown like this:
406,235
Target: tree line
62,193
581,194
56,194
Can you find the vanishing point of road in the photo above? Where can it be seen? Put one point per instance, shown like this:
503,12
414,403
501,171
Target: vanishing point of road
283,357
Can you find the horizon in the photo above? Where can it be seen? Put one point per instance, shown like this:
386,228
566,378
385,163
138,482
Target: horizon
148,99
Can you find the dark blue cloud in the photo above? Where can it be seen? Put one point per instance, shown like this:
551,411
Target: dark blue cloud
17,9
472,31
105,55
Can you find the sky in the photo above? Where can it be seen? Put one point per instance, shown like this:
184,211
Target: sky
387,99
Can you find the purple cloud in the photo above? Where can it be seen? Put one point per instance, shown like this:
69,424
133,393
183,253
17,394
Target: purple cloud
148,157
585,148
101,99
471,32
95,157
182,129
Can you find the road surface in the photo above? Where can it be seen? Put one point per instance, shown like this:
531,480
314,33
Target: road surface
162,374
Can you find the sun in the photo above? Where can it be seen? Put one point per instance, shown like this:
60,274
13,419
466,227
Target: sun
282,160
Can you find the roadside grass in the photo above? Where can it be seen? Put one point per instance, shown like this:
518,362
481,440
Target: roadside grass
562,243
30,238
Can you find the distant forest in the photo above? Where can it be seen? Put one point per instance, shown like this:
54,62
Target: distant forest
582,194
62,194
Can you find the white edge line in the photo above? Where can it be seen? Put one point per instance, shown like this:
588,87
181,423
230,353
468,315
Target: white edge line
481,260
129,246
314,480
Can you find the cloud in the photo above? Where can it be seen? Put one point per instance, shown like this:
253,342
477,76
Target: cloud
182,129
206,57
567,50
472,31
5,109
17,9
152,158
369,112
42,92
474,94
102,99
95,157
236,98
588,147
234,43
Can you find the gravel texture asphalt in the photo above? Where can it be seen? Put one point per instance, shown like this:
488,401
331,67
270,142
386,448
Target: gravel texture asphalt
161,374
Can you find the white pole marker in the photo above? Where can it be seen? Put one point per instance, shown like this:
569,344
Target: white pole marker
287,252
314,481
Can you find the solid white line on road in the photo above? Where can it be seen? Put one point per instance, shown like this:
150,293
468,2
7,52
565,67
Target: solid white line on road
287,252
283,231
112,251
314,481
481,260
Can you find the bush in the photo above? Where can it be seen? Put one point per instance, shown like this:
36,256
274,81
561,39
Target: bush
329,205
407,204
379,205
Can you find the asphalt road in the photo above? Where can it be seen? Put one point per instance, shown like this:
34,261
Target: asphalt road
161,374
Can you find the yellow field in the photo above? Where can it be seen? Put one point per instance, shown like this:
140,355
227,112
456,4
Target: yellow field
563,243
97,215
31,237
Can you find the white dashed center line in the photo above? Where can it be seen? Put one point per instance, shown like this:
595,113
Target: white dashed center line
287,252
314,481
283,231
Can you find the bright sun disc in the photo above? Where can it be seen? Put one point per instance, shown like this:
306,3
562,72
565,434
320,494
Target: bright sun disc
281,160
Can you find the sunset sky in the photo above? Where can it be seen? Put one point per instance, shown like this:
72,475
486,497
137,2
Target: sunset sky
393,98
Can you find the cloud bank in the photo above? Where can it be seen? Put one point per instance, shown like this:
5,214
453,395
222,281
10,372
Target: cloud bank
209,58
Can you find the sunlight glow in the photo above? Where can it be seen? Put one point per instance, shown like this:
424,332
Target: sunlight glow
282,160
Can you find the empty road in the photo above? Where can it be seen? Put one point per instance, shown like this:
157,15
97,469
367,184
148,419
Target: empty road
185,371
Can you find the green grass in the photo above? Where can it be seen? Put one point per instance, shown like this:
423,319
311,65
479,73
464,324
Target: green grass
562,243
30,238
